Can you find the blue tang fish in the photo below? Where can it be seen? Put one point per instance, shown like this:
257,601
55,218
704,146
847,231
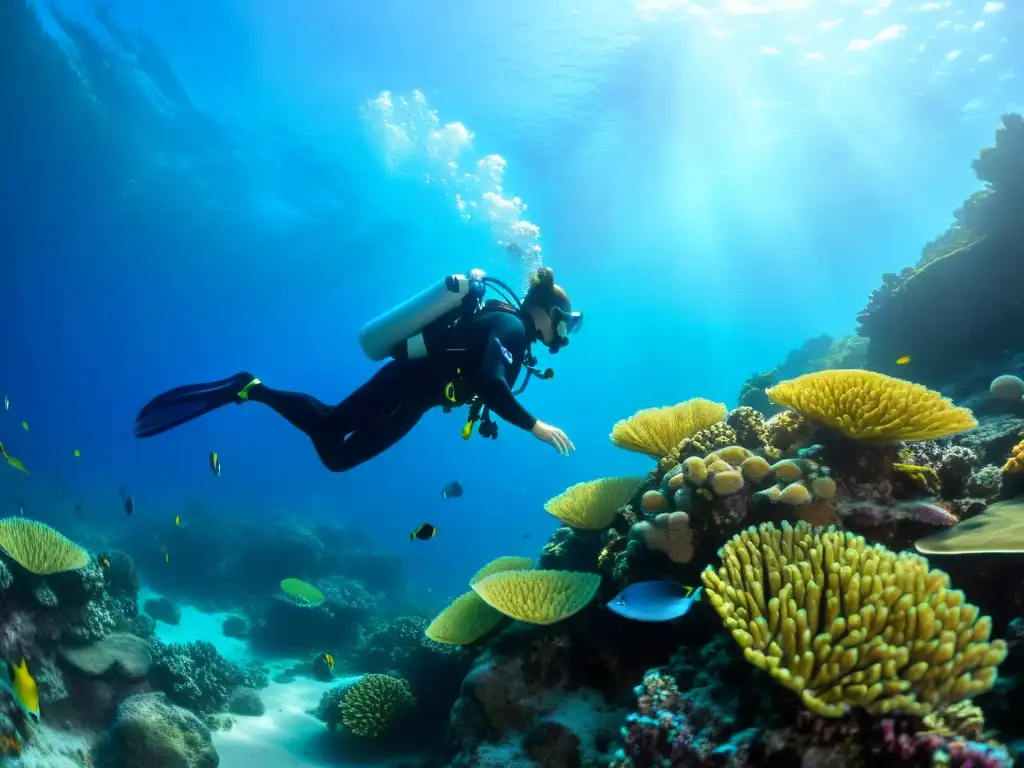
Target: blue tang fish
654,601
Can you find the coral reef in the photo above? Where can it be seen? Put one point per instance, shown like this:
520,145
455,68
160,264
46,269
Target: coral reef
195,676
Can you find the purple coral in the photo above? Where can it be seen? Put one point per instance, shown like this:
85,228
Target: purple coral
930,748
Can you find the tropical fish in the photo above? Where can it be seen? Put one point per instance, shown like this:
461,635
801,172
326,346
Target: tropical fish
903,360
18,682
129,502
167,556
328,659
76,453
24,425
215,463
424,533
654,601
177,519
452,491
16,463
103,561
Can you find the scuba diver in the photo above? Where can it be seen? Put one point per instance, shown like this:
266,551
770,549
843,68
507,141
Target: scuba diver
448,347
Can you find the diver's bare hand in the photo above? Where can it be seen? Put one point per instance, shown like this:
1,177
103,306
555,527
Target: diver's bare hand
553,436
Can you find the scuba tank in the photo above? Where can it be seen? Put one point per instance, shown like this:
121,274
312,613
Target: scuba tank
403,331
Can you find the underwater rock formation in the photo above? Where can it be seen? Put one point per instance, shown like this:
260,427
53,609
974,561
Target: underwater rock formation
975,281
150,731
528,701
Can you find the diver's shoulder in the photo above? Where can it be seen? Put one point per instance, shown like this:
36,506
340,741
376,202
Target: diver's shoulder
501,320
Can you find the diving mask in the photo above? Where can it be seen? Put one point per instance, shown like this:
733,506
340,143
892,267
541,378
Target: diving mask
565,325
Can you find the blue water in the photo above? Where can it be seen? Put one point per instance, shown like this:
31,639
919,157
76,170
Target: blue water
197,188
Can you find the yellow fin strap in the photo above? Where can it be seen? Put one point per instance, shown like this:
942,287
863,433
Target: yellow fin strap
244,394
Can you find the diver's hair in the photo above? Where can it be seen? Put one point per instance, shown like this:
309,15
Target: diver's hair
544,293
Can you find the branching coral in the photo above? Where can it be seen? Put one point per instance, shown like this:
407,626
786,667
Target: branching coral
658,431
591,506
844,624
372,705
1015,461
865,405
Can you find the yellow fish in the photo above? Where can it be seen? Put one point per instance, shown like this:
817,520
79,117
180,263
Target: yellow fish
77,452
177,519
18,682
215,463
903,360
16,463
167,556
24,425
329,659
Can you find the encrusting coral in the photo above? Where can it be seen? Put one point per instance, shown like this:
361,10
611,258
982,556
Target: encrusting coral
591,506
658,431
844,624
38,548
865,405
372,705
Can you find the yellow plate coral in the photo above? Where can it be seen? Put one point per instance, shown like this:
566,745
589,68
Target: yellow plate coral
591,506
464,621
844,624
539,597
504,563
865,405
302,593
658,431
38,548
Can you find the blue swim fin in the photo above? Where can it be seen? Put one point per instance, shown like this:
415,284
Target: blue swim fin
188,402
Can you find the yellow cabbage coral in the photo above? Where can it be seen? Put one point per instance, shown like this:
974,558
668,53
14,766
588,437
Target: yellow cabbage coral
302,593
468,618
538,597
504,563
865,405
844,624
591,506
38,548
464,621
658,431
371,705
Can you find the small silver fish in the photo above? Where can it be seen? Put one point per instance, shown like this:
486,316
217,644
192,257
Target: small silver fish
7,403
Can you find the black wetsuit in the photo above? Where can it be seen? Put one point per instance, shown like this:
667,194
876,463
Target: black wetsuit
489,348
